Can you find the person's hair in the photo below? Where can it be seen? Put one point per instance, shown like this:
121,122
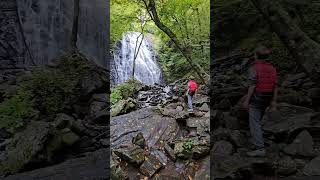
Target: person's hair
262,52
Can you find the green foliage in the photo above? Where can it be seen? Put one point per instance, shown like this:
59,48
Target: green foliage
48,91
188,19
188,145
14,110
124,90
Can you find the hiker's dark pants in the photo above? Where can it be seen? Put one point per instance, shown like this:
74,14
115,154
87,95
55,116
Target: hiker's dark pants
255,116
258,104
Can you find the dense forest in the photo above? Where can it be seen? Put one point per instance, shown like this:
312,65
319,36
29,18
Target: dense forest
186,41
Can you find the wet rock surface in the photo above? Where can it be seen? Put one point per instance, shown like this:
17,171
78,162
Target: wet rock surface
167,135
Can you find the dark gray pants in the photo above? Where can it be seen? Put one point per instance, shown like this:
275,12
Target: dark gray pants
255,116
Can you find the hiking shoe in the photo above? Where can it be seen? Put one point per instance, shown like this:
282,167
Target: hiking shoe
257,153
190,110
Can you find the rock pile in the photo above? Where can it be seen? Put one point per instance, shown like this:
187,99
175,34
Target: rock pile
66,135
161,140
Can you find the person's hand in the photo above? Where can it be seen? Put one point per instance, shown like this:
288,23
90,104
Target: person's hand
246,104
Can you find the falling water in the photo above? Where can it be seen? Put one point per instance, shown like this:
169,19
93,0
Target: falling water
147,69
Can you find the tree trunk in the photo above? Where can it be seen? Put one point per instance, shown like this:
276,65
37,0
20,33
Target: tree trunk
151,8
304,50
74,35
136,52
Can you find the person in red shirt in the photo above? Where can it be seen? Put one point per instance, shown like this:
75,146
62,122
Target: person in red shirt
262,92
191,92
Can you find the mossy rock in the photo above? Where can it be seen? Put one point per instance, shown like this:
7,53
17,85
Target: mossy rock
123,106
25,147
68,137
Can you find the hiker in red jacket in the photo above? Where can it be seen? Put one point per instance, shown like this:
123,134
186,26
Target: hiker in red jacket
262,93
191,91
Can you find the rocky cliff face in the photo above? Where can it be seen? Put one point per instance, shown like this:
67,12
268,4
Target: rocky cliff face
35,32
12,45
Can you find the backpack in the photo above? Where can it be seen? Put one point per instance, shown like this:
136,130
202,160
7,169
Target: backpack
192,85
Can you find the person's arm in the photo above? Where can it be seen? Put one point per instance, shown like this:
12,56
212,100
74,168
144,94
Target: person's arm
252,86
249,95
186,92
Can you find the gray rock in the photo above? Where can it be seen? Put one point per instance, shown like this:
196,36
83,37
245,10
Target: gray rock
150,166
26,147
117,172
290,119
301,146
225,104
220,134
199,101
68,137
179,108
139,140
227,167
160,155
200,151
100,97
180,116
53,40
295,77
238,139
133,155
148,121
93,165
170,152
204,107
97,106
230,122
313,167
100,117
286,166
123,106
204,172
222,147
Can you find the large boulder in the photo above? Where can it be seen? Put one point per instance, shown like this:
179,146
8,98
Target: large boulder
222,147
133,155
289,120
204,171
27,147
313,167
301,146
228,167
93,165
123,106
148,121
286,166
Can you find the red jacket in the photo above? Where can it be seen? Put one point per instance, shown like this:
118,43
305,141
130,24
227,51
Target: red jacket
266,76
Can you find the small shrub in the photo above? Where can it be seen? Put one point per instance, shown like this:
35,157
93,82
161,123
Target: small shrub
188,145
47,91
124,90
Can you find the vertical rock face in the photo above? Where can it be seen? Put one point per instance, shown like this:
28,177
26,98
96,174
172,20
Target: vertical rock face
12,48
46,26
39,31
93,30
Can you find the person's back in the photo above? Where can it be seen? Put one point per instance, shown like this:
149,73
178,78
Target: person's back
191,91
262,92
265,77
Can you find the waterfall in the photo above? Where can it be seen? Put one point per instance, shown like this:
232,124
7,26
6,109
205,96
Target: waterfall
147,69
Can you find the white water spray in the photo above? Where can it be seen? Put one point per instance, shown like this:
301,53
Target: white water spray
147,69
